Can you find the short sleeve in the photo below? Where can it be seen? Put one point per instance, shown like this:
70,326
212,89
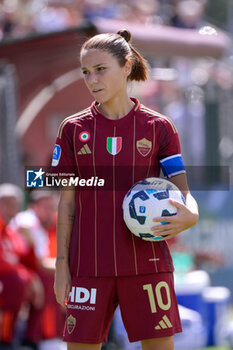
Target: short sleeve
63,160
169,149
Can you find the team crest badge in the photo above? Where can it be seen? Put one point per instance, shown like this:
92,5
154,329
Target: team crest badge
70,323
144,146
114,145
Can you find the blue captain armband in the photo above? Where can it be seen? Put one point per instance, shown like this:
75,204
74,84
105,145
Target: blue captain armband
172,165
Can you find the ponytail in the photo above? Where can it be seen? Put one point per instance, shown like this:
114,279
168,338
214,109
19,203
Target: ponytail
140,69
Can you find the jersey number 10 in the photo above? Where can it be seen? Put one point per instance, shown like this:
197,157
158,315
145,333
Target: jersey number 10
157,296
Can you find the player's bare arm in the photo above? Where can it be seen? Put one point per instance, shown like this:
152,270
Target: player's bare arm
65,221
187,215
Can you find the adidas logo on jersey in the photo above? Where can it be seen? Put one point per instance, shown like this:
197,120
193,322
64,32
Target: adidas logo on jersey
164,323
84,150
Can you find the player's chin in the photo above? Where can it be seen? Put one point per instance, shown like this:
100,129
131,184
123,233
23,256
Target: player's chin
101,100
100,97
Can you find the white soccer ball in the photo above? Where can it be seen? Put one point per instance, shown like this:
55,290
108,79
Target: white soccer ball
147,199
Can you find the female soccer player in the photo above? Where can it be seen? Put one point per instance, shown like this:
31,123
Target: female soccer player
100,264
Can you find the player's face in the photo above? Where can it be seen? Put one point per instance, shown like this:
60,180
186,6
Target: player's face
103,75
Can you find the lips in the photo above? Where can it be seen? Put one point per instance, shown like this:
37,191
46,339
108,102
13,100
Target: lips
96,91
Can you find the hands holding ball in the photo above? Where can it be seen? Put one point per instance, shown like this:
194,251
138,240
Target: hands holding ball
154,209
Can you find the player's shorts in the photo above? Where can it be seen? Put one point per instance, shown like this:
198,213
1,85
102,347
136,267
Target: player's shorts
147,302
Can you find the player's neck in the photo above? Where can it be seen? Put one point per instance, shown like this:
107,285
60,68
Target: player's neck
116,109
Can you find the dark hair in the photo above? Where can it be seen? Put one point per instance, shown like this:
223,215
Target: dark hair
119,45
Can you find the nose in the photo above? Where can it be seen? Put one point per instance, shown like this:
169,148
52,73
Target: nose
92,79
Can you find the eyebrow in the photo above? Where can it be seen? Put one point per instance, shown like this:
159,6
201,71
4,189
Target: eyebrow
95,66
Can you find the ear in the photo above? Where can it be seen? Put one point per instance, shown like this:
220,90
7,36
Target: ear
127,68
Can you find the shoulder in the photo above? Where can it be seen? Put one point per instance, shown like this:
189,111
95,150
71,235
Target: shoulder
73,120
158,119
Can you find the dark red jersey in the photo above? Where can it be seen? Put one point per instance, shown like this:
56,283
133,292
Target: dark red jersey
122,152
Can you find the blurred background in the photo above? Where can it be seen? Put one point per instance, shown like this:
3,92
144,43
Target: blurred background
188,45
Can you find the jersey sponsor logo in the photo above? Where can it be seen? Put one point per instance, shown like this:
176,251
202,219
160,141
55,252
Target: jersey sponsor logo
84,136
56,155
164,323
114,145
144,146
70,324
81,307
84,150
82,295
